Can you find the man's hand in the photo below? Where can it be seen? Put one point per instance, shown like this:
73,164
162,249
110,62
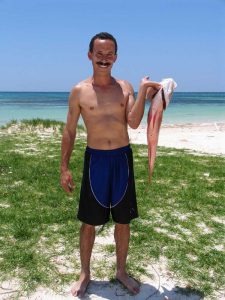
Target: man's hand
146,83
151,87
67,181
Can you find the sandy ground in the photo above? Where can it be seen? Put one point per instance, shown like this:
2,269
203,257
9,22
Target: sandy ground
161,284
205,137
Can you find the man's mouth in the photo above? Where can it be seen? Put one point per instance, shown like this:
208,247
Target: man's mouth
102,64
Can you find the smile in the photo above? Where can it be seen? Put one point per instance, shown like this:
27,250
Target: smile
102,64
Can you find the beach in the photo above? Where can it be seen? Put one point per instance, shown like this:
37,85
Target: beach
194,121
207,138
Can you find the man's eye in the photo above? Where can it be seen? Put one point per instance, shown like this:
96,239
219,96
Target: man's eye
101,56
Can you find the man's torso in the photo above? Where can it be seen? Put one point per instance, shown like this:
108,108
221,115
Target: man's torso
103,110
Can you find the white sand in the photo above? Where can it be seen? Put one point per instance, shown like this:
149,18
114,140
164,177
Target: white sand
160,284
206,137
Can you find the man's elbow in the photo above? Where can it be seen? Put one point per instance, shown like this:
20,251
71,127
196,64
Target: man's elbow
133,124
69,134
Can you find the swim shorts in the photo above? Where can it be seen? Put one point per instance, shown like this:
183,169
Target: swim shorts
108,185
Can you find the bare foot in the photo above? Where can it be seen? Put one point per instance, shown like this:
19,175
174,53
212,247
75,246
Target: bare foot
79,287
131,284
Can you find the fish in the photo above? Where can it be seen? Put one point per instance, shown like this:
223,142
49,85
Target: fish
159,103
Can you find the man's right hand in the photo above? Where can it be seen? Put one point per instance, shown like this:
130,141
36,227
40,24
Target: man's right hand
67,181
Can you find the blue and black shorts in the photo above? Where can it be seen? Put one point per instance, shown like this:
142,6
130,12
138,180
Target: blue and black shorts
108,185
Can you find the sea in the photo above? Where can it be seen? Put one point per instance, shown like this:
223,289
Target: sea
185,107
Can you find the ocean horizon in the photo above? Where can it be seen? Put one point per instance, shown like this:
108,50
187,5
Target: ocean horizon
185,107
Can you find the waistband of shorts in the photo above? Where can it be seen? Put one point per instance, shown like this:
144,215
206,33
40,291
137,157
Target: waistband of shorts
111,152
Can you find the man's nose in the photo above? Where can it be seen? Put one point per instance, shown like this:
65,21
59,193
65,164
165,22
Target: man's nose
105,57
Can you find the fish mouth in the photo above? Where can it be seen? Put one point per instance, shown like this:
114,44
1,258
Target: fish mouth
102,64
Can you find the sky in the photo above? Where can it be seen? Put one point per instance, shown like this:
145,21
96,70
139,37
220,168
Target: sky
44,43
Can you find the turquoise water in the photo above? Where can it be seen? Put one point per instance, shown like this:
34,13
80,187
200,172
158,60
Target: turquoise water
184,107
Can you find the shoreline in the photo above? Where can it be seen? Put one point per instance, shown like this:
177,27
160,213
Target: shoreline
207,138
197,138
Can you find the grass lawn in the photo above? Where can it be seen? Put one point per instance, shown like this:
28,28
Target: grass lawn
182,214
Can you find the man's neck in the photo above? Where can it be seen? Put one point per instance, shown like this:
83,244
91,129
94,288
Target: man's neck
102,80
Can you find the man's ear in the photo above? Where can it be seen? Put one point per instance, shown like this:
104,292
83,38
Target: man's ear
89,55
115,58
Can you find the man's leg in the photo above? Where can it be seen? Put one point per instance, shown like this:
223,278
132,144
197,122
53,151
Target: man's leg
122,237
87,237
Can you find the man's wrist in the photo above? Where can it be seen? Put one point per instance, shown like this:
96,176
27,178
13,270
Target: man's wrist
63,169
142,91
143,85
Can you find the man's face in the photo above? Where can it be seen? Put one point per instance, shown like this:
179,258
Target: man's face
103,55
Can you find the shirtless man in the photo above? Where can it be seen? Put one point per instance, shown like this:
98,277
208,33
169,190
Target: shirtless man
107,106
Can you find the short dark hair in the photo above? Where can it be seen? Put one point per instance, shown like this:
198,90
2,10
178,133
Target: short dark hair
102,36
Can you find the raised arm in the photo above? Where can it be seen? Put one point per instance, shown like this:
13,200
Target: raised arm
135,109
68,138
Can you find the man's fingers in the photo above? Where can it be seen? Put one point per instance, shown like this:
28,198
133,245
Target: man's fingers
67,189
152,84
67,186
70,187
155,85
72,183
159,86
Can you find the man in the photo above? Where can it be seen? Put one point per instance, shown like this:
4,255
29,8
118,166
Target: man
107,106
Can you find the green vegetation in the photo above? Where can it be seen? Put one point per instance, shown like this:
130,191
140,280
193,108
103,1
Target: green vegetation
182,213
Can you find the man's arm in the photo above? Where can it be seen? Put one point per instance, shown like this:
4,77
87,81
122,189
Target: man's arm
68,138
135,109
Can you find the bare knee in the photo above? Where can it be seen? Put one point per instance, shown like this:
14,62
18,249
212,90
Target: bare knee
122,226
87,227
122,229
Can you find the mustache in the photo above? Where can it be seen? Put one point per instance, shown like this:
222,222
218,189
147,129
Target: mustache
100,63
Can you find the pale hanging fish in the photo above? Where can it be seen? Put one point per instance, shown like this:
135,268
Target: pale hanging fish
159,103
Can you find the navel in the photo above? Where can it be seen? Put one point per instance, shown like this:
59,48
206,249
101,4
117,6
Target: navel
92,108
109,142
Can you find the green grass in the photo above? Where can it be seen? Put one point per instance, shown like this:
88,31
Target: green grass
182,214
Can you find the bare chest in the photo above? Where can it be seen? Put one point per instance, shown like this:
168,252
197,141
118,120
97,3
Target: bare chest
97,103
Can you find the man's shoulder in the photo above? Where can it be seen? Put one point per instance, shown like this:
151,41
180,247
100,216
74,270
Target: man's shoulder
81,85
125,85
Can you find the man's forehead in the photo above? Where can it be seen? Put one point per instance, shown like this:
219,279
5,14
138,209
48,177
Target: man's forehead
100,44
